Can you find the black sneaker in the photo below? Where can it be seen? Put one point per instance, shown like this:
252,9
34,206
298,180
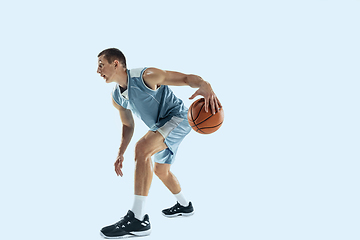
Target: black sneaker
128,226
179,210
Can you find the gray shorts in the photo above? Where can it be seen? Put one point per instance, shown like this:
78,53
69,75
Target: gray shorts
174,131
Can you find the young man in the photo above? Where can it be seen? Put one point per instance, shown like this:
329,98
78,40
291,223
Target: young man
145,93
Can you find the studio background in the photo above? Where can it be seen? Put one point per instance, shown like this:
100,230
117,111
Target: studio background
284,165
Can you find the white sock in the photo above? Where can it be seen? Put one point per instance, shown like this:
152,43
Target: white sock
181,199
138,207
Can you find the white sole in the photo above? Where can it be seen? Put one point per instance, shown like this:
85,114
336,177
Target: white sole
179,215
131,234
141,233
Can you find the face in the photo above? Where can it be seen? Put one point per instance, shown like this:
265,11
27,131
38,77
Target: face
105,69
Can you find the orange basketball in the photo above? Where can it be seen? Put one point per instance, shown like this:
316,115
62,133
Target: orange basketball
204,122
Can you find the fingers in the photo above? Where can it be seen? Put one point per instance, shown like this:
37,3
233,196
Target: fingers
118,166
206,104
118,171
215,104
219,104
210,98
212,102
194,95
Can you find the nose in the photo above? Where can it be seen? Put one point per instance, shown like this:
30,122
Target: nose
98,70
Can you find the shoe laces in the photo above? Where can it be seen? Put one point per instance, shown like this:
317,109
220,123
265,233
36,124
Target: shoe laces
175,207
123,220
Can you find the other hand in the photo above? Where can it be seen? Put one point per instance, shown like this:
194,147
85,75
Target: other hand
118,165
211,100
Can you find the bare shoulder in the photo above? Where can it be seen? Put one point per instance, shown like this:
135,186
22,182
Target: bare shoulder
152,72
154,77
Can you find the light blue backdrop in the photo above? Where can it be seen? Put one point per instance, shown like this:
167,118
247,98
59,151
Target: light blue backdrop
285,164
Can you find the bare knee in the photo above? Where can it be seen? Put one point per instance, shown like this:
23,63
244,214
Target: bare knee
161,172
141,151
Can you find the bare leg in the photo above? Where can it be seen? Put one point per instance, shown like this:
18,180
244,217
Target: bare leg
147,146
143,176
167,177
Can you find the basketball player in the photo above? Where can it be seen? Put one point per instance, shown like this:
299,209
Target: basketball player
145,93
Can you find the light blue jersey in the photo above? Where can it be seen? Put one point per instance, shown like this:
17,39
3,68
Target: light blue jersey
154,107
159,109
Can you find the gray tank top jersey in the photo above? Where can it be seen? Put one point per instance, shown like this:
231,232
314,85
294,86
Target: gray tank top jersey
154,107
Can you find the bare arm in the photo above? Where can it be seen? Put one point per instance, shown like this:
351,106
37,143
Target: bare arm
127,133
154,77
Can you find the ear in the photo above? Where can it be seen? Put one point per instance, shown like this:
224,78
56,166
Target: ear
116,63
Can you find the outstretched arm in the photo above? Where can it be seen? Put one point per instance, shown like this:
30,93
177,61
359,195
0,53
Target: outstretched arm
154,77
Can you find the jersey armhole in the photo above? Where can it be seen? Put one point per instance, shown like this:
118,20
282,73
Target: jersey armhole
143,81
113,95
115,104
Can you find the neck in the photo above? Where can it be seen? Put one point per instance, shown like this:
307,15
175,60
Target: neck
121,78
